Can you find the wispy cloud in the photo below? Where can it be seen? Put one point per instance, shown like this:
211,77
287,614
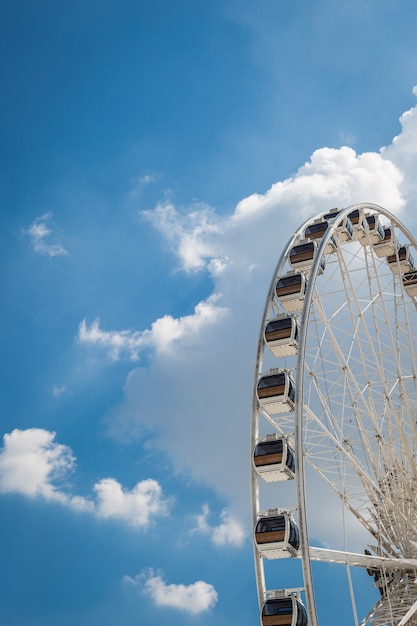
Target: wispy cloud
42,236
194,598
193,234
59,390
228,532
33,464
140,182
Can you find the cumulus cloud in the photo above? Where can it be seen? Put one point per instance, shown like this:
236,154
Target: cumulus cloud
194,598
165,333
403,152
228,532
332,177
135,507
42,236
33,464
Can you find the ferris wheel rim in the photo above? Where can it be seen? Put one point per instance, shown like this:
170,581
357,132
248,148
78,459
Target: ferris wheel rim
300,373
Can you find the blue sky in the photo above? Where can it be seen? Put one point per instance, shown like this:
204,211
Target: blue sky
155,158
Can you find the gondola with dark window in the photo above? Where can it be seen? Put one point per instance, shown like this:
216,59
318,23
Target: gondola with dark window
290,291
285,611
388,245
276,391
316,231
281,335
401,262
410,283
274,458
302,256
277,536
374,232
359,224
344,229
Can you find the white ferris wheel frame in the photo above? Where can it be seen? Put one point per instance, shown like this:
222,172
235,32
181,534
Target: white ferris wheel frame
306,552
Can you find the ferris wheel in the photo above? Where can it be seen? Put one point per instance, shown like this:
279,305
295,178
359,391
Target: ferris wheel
334,421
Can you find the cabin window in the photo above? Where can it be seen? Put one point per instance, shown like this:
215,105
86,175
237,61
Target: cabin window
269,447
275,380
315,229
402,255
272,524
281,324
380,230
306,250
278,607
331,214
301,615
387,234
354,217
349,226
289,281
290,460
294,538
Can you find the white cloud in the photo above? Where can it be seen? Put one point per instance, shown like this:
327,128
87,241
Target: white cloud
403,152
146,179
194,598
140,182
33,464
192,234
166,332
31,461
58,390
332,177
135,507
228,532
41,235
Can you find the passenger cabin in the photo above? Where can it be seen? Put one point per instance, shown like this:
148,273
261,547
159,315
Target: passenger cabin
401,262
276,391
316,231
344,229
410,283
374,232
277,536
359,224
290,291
274,459
388,245
331,214
284,611
281,335
302,256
